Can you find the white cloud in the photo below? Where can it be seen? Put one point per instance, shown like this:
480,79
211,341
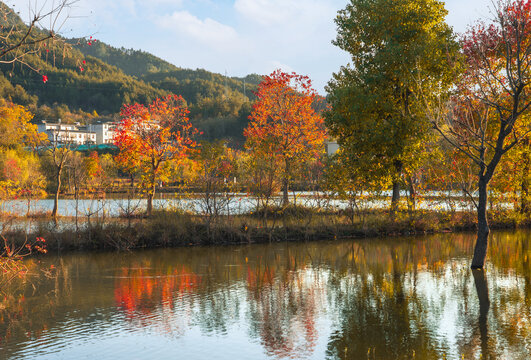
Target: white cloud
464,13
274,12
170,2
240,36
207,31
294,35
263,11
275,65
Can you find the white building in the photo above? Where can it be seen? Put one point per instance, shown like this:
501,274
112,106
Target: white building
331,146
58,133
104,132
61,134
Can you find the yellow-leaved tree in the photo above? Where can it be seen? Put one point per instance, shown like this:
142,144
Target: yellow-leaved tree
20,175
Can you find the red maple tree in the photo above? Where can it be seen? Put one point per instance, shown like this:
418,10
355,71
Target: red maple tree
151,137
284,125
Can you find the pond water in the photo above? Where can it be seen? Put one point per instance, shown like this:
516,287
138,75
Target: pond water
394,298
236,203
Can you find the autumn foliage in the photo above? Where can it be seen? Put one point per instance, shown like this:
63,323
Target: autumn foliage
20,176
151,137
489,114
284,127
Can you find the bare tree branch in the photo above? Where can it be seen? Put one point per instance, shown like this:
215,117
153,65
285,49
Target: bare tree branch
18,40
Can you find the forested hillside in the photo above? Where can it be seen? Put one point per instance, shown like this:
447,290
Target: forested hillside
88,78
131,62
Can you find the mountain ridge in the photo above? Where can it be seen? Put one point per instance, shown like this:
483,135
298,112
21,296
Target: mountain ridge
86,76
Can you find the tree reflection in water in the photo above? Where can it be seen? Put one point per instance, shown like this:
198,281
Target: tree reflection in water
482,289
148,297
430,311
282,308
376,299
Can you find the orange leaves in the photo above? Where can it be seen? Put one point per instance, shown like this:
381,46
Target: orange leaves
93,166
283,122
285,132
151,136
11,256
156,133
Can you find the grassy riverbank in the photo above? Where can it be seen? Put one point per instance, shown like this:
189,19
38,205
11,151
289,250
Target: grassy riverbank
172,229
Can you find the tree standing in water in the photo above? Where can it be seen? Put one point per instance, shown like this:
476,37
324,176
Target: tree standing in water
488,115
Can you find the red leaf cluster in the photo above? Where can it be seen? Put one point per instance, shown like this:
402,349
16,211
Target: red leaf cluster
148,136
283,121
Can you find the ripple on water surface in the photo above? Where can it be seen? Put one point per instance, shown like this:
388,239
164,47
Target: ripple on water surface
385,299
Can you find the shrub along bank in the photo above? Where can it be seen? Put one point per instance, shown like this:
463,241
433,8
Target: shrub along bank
173,229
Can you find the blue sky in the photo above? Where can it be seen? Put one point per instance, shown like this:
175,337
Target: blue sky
234,36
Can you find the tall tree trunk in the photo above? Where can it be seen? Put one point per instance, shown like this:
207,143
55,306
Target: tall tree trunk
395,198
76,196
57,191
151,191
525,206
480,250
150,196
285,192
412,202
285,184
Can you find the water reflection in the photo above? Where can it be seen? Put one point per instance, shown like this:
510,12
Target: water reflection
375,299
